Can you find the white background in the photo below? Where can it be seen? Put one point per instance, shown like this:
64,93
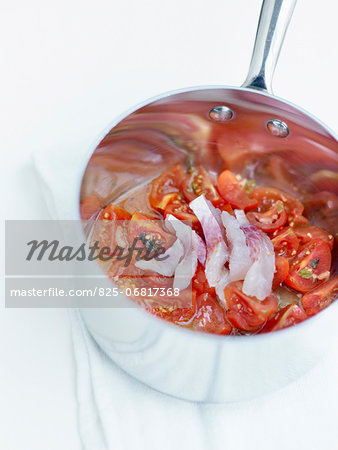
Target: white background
67,68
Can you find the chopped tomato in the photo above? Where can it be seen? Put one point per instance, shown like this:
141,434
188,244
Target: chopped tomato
149,232
231,190
284,318
270,220
197,182
320,297
90,205
210,316
180,209
174,309
245,312
267,197
282,270
164,186
306,233
297,220
302,251
310,267
285,242
200,282
113,212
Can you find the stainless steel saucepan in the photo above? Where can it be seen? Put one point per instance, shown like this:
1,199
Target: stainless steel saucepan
242,128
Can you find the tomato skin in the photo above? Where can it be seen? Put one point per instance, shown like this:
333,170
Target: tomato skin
282,271
285,242
197,182
164,186
210,316
200,282
232,192
306,233
245,312
89,206
320,297
270,220
267,197
302,276
286,317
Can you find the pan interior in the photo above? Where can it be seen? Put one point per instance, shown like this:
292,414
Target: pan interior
182,127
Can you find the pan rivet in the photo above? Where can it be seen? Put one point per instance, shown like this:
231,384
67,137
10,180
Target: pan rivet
221,114
278,128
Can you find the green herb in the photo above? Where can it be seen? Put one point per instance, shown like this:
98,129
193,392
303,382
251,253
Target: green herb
314,263
150,244
249,186
191,169
305,273
192,187
189,161
279,206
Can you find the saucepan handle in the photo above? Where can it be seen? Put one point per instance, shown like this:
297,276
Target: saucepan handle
273,23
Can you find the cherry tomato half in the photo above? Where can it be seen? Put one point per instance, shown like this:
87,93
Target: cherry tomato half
282,270
285,242
320,297
245,312
231,190
306,233
310,267
197,182
267,197
284,318
164,186
270,220
210,316
180,209
148,234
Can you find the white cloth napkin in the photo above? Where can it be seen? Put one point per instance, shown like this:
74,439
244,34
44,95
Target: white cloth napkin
116,412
